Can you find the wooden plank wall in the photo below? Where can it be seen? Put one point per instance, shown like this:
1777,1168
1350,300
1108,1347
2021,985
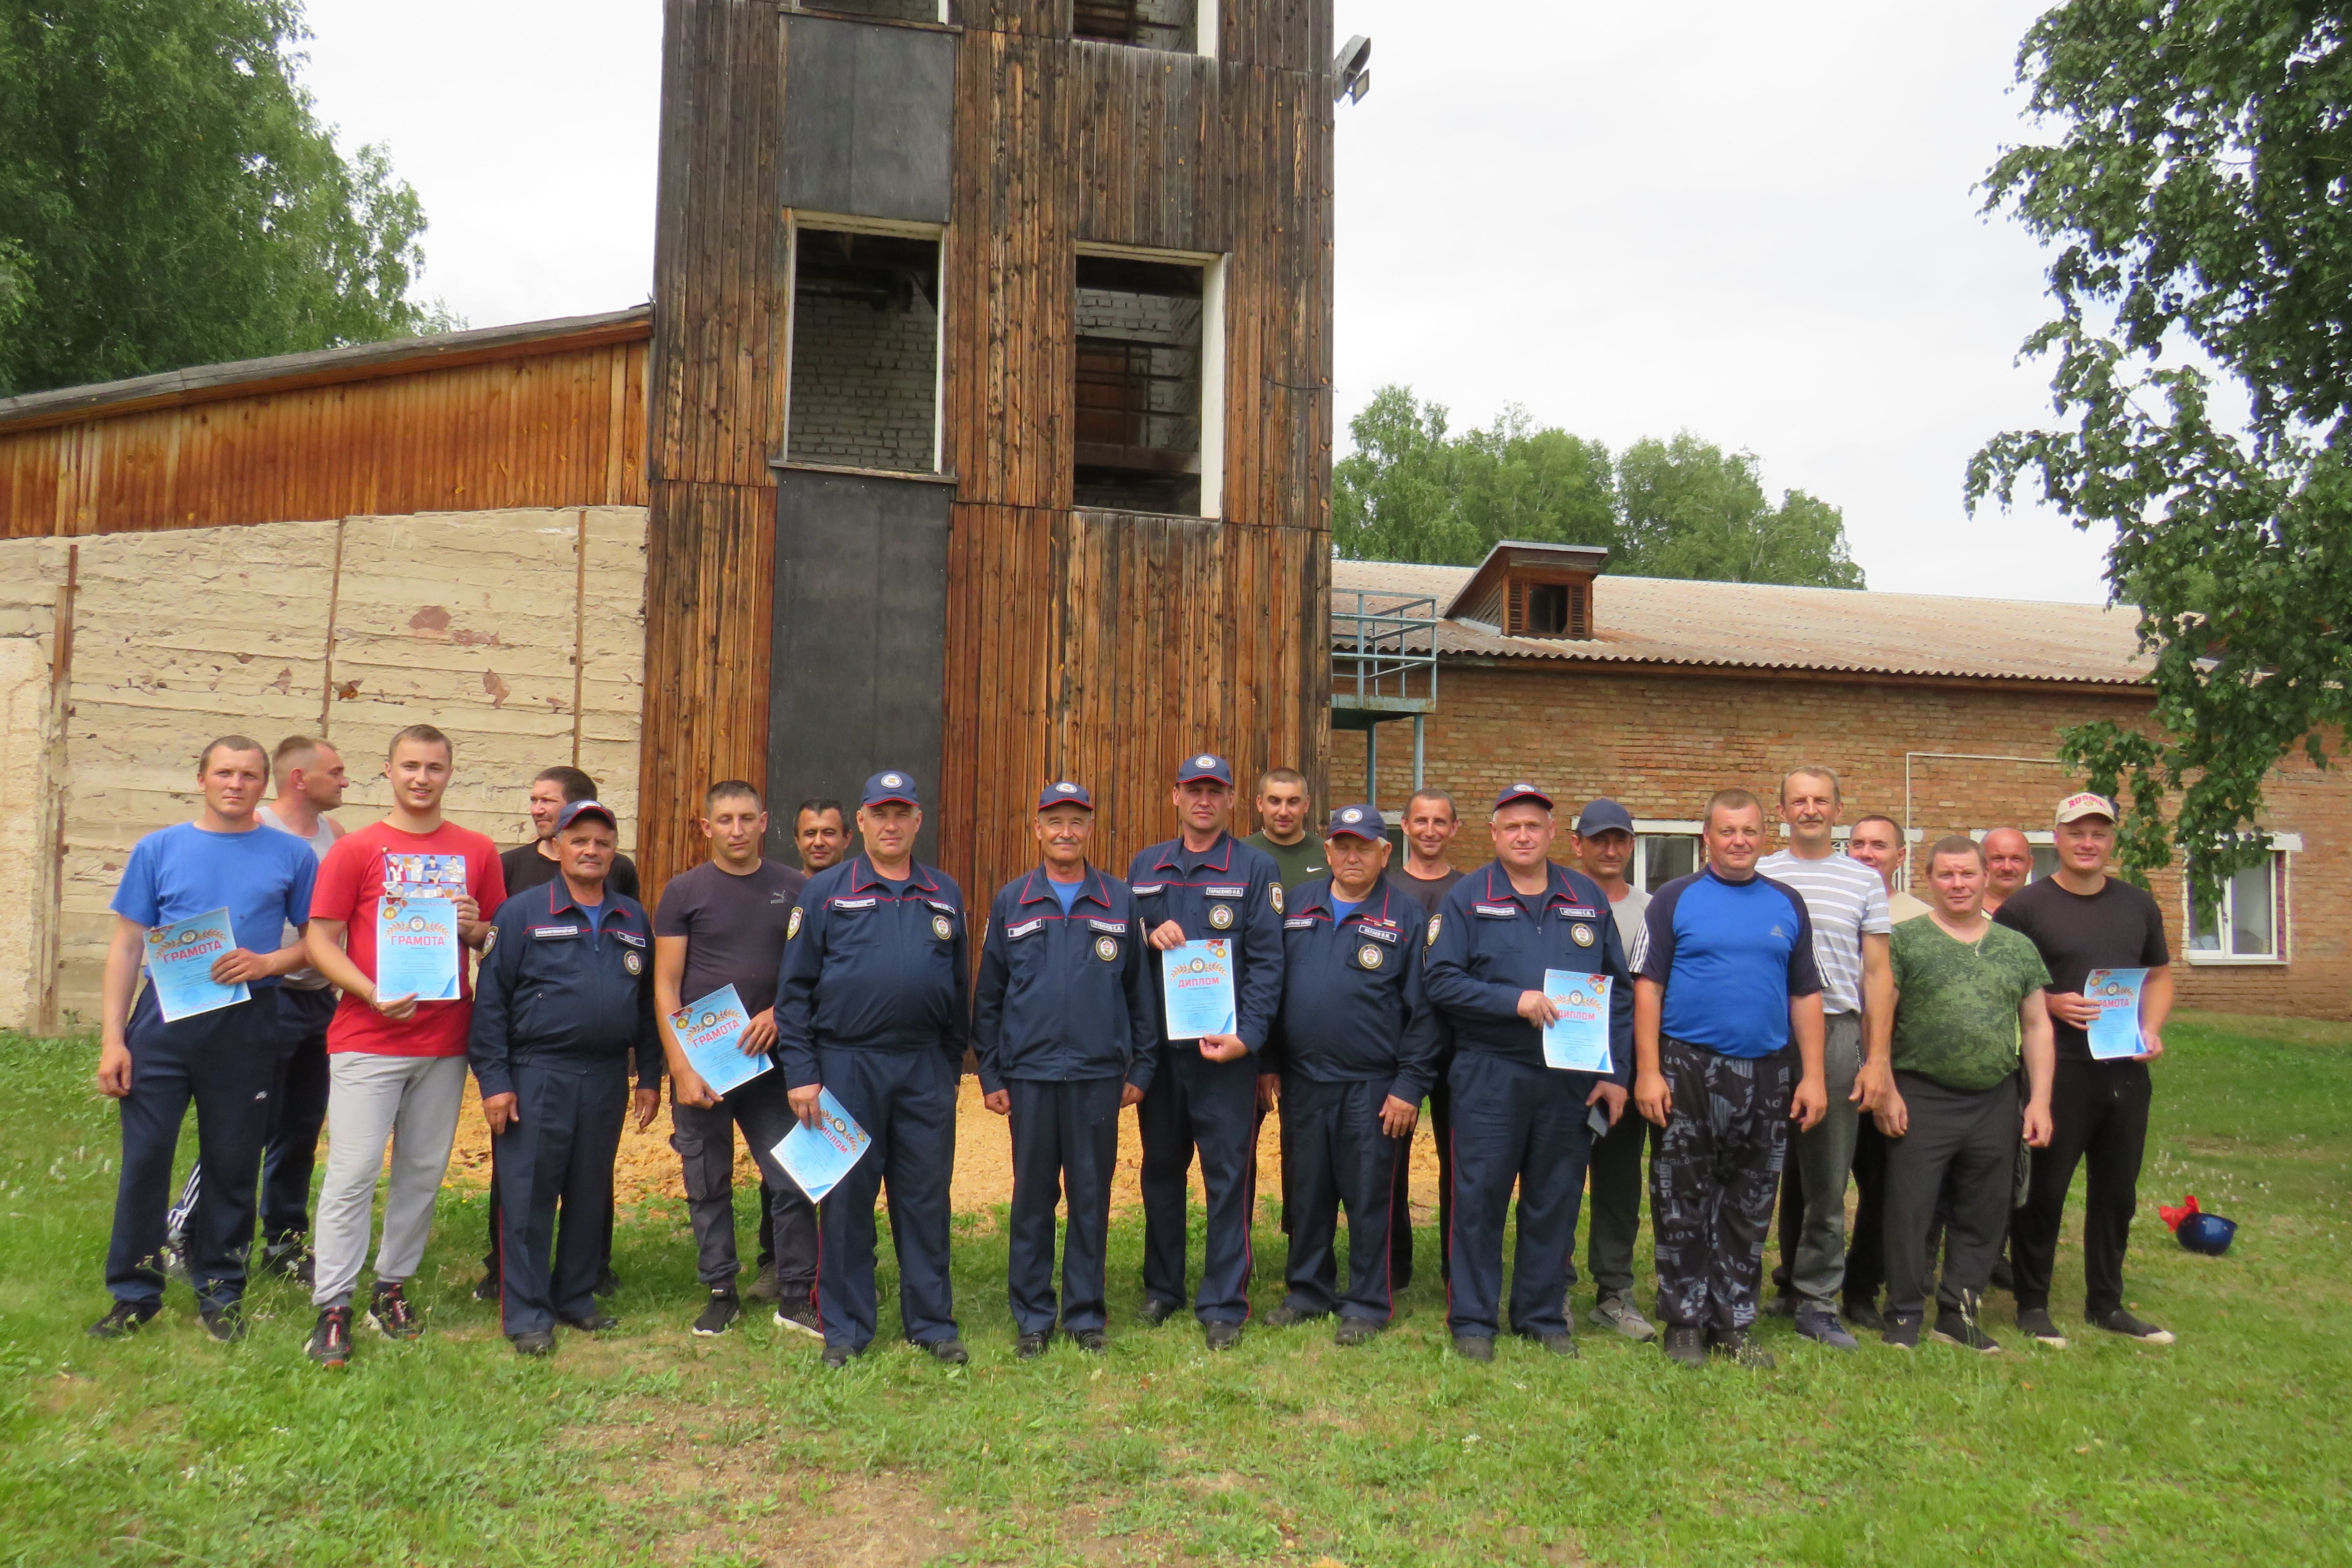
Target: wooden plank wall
551,426
718,383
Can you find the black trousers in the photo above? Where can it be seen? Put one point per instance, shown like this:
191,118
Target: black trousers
1713,1180
1617,1183
704,1137
299,1110
1065,1144
558,1157
1514,1123
1212,1107
225,1061
1441,1128
1335,1155
2098,1113
1969,1140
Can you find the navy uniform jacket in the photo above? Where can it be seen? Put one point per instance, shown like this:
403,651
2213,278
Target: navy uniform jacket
555,992
1231,890
868,970
1353,1008
1064,996
1485,947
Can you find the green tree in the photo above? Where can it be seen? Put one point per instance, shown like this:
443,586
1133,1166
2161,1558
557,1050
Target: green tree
168,198
2198,202
1692,510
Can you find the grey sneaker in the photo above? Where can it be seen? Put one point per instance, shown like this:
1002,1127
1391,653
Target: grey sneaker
1820,1325
1618,1313
763,1286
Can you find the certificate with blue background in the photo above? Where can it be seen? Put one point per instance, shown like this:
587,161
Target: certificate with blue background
711,1033
416,948
1578,1040
2114,1033
179,959
1196,979
818,1157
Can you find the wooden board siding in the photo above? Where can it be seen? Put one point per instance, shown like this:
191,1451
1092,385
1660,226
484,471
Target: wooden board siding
552,427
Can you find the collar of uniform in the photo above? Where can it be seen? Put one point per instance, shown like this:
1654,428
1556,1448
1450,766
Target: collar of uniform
1036,886
560,899
863,876
1372,906
1559,885
1173,855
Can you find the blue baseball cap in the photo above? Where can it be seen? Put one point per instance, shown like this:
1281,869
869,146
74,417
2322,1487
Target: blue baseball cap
1600,816
1206,765
1064,794
580,808
1514,794
1357,822
891,784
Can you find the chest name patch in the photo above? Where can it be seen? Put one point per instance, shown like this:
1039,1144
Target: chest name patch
542,933
1226,892
1143,891
1027,928
1115,928
632,938
852,904
1298,922
943,909
1497,911
1378,934
1579,912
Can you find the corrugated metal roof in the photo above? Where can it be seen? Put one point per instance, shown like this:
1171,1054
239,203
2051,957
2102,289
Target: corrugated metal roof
1656,620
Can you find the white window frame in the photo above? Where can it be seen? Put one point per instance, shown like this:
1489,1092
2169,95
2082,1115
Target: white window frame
2282,847
796,220
1660,827
1212,356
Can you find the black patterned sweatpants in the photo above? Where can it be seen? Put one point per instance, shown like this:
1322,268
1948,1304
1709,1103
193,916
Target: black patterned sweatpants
1713,1180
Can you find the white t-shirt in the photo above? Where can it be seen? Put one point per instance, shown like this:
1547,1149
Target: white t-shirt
305,978
1627,912
1846,902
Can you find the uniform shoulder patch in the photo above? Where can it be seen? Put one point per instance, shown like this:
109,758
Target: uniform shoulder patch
792,926
1274,893
1436,923
489,942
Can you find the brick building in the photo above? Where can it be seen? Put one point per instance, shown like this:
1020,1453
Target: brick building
1942,714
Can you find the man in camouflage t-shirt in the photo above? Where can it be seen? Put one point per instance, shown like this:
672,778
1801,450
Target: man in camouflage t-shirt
1967,1009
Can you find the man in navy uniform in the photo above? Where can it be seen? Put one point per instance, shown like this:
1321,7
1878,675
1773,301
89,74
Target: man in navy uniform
1202,1096
1062,1026
1357,1044
873,1003
1514,1118
565,997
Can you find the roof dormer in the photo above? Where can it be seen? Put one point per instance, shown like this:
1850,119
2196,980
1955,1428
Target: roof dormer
1525,590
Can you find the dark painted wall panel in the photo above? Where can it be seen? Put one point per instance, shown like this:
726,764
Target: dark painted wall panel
859,643
868,112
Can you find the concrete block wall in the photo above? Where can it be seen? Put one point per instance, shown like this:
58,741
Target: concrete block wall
519,633
1661,743
864,382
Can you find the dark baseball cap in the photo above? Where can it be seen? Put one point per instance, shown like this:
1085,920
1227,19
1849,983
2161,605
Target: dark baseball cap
1064,794
1357,822
1206,765
1600,816
1514,794
580,808
891,784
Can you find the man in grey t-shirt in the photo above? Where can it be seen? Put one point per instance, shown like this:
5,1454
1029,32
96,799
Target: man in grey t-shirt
1846,902
1604,845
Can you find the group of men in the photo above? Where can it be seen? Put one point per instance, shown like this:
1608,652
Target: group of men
1767,1000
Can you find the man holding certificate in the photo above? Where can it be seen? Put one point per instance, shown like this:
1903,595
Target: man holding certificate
1514,951
567,999
873,1005
2083,922
1063,1025
207,1027
1357,1044
1213,906
719,939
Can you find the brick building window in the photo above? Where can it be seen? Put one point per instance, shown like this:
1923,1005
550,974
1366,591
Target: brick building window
1663,851
864,350
1174,25
1148,386
2247,922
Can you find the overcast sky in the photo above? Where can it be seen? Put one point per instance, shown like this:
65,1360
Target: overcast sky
1754,222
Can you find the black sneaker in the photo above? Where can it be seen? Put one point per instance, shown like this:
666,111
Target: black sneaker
1157,1312
719,1314
536,1341
1962,1328
1222,1336
122,1318
225,1323
590,1323
1289,1317
1741,1350
394,1318
1902,1330
331,1338
1029,1347
948,1353
1093,1342
289,1260
2034,1323
2120,1321
607,1282
486,1288
838,1355
1863,1314
1357,1331
800,1315
1475,1347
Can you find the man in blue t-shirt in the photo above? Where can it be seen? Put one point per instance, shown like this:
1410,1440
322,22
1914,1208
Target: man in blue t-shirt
1724,981
221,1050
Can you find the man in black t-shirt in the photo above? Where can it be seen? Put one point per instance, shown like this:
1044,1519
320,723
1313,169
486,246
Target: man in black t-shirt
535,865
2081,919
724,923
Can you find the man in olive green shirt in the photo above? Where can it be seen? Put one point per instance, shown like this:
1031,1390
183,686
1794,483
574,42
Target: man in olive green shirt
1297,854
1967,1007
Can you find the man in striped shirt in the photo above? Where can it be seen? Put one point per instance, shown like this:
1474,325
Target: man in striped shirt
1846,902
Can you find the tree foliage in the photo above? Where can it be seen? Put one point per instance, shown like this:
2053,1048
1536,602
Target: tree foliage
2198,202
1413,490
167,197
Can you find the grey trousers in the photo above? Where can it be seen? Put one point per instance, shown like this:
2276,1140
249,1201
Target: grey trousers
704,1137
410,1103
1973,1136
1824,1160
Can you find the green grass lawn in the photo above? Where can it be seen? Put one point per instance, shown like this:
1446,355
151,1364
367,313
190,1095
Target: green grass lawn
648,1445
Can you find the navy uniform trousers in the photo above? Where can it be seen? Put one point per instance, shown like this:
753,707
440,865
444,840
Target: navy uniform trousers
1334,1154
905,1100
226,1061
559,1155
1441,1128
1065,1142
1514,1122
1194,1103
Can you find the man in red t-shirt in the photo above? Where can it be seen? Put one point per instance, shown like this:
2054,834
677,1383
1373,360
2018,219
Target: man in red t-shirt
396,1062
